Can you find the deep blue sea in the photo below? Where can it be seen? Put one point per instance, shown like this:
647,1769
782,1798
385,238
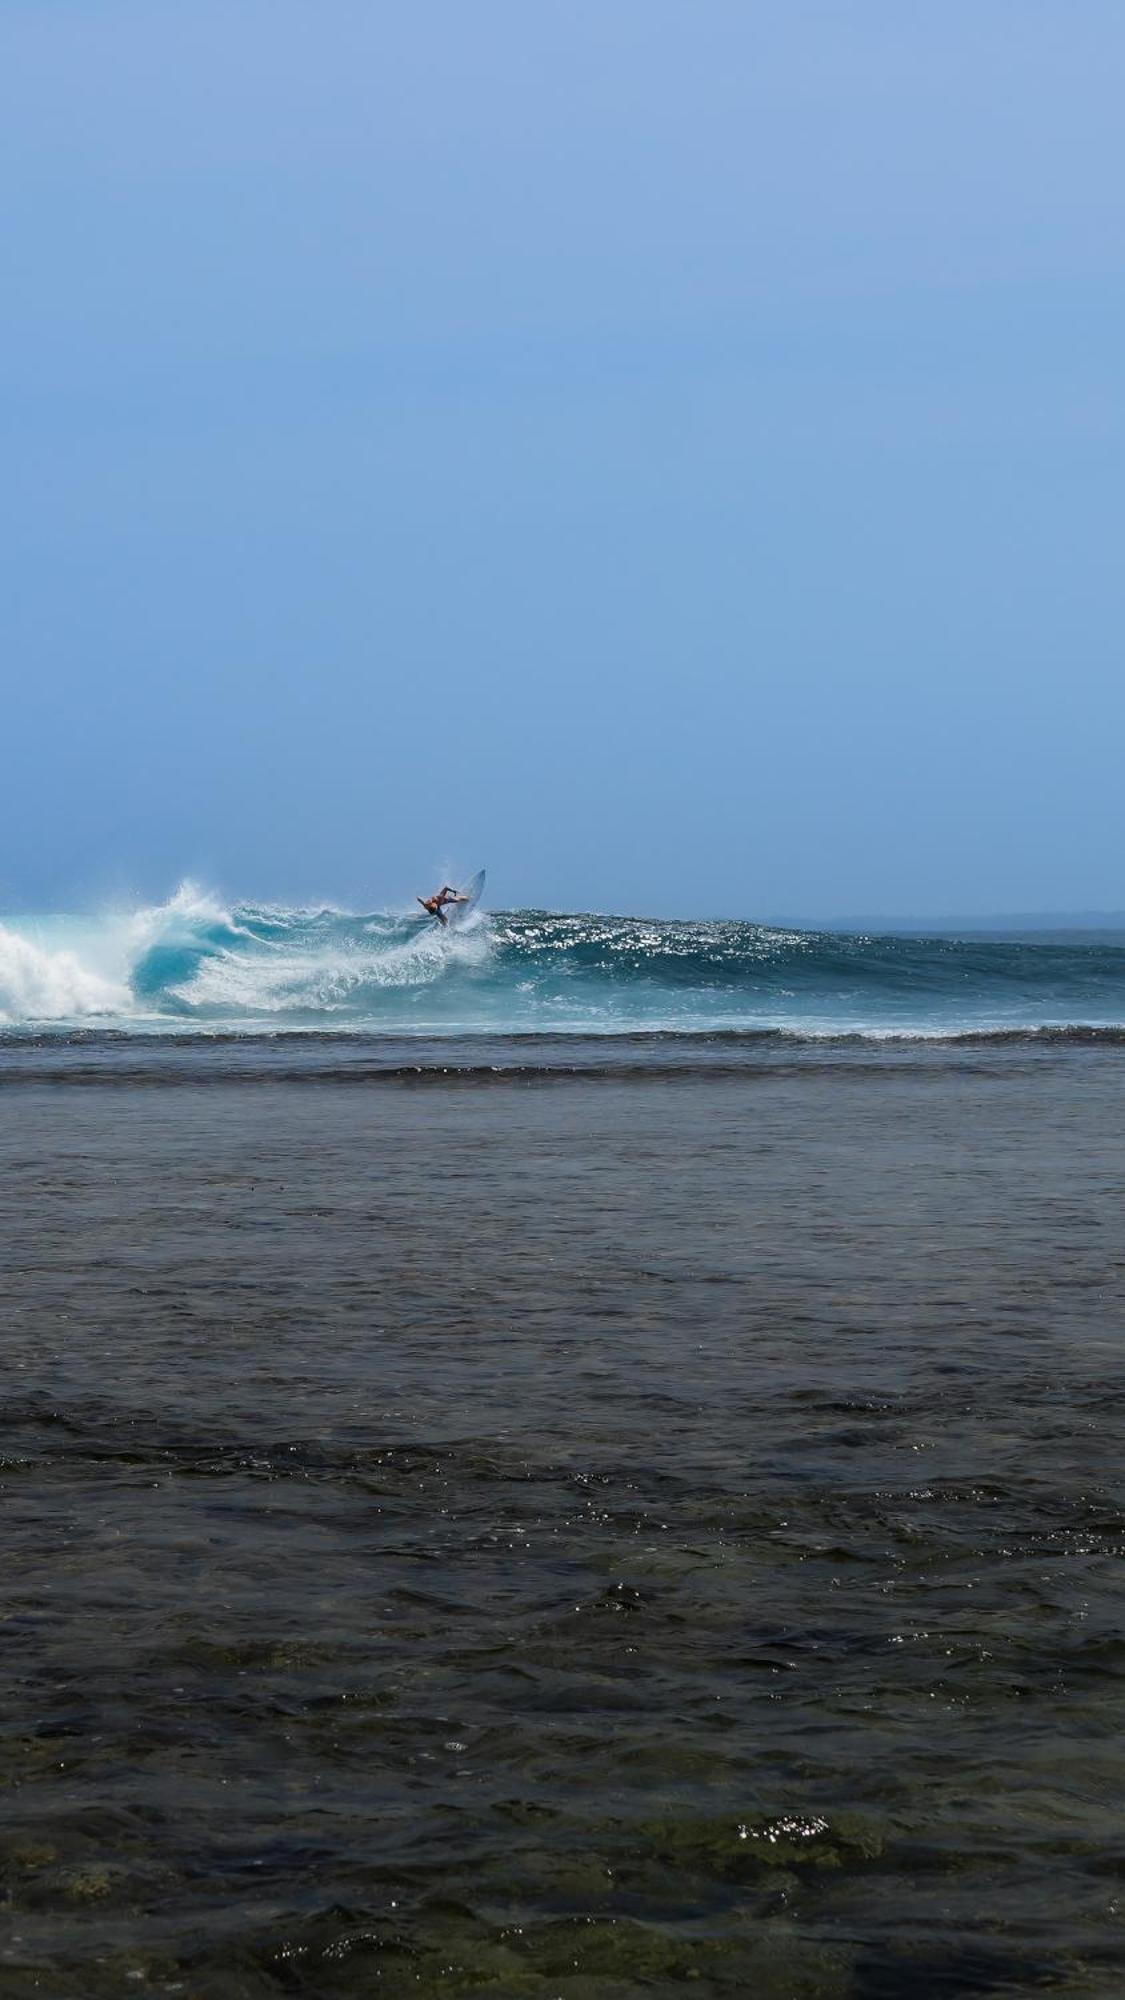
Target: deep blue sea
192,963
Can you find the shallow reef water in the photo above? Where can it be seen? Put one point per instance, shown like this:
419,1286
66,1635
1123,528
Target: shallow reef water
561,1523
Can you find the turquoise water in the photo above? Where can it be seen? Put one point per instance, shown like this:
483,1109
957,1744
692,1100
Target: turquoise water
193,962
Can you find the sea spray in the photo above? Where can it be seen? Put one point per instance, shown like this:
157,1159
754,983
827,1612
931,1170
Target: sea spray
41,983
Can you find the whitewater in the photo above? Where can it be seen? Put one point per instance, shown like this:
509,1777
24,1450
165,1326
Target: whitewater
195,964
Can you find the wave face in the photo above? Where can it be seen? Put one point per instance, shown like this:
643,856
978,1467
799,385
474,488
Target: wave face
191,964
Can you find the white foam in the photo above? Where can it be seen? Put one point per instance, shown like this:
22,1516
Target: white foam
176,921
279,977
41,983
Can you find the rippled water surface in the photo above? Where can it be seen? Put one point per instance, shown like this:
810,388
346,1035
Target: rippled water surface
531,1521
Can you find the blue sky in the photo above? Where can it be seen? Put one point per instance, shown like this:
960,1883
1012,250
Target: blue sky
670,453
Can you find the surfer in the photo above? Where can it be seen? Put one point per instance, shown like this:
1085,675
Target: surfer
435,906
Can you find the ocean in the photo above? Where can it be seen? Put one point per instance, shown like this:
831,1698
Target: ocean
577,1460
194,963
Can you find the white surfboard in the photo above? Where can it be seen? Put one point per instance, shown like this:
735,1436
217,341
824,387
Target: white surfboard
472,893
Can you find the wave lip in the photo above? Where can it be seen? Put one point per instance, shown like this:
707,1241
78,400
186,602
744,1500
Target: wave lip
193,963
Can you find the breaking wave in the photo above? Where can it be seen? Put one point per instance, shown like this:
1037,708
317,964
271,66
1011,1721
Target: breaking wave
192,964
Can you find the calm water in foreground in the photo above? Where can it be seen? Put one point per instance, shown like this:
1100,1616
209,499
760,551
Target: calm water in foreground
543,1520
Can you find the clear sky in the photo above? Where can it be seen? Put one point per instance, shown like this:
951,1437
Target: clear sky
670,452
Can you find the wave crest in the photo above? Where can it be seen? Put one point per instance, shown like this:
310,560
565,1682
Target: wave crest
192,962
